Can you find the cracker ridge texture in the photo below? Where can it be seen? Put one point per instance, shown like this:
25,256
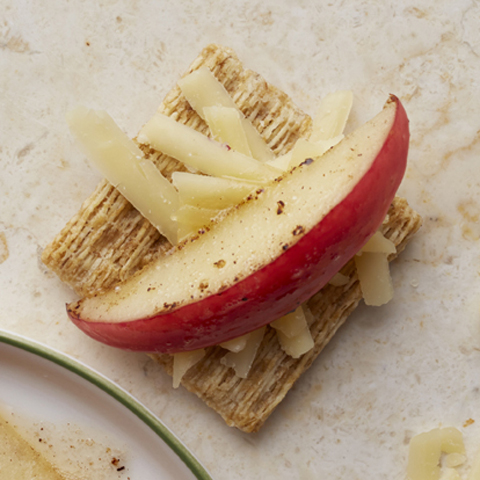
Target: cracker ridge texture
108,240
247,403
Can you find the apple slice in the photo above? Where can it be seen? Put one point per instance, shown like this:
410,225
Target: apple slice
267,256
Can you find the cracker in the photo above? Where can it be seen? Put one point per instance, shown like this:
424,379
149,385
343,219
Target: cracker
108,240
247,403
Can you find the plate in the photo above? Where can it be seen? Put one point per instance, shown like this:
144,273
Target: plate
49,386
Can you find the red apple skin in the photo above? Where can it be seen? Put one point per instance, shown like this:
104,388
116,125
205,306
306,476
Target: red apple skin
300,272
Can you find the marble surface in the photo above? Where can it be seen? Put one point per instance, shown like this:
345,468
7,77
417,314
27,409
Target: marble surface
391,372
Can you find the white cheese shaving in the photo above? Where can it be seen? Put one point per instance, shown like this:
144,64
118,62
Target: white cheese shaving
183,361
242,361
293,332
338,280
377,243
426,449
122,163
374,276
203,90
210,192
332,115
236,344
227,127
198,151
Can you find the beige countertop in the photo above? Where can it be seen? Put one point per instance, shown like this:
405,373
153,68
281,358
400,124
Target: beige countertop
390,372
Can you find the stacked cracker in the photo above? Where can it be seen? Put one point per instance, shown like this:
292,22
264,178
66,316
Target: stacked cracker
108,240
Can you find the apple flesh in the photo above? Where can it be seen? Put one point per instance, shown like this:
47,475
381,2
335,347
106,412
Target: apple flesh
267,256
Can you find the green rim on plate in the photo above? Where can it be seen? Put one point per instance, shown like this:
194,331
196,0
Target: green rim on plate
114,391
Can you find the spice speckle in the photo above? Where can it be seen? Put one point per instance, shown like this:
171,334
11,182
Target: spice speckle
298,230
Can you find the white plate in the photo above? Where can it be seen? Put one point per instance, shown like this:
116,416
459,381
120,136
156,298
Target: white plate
53,387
